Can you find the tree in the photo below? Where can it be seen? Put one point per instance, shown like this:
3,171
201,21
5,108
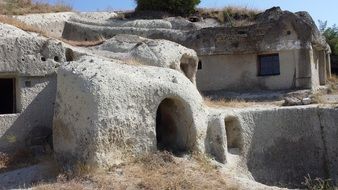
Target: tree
322,25
331,35
179,7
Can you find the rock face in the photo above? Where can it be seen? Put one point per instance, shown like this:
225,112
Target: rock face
28,54
106,109
53,23
50,23
263,34
281,145
28,65
231,55
160,53
132,95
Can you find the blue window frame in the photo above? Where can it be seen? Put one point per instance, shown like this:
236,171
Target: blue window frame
268,65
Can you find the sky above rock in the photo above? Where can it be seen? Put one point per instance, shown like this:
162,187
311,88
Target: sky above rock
319,9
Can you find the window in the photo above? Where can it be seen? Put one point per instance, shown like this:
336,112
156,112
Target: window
268,65
7,96
199,67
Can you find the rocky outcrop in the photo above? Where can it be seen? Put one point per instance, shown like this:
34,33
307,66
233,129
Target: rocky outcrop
132,95
266,33
28,54
159,53
280,146
50,23
31,62
107,110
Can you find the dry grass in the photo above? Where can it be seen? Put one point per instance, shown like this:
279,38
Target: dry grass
333,84
238,12
21,7
333,79
233,15
317,98
317,183
332,89
235,103
131,61
23,26
151,171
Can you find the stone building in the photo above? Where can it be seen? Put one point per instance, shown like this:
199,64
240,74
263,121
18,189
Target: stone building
278,50
281,50
28,65
131,95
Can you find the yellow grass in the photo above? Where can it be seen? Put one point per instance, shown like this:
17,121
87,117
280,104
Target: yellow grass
333,84
235,15
333,79
131,61
23,26
160,170
236,103
239,10
21,7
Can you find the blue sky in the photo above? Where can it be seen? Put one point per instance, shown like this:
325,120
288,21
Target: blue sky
319,9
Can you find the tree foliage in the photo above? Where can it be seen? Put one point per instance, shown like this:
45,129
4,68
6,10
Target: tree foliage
180,7
331,35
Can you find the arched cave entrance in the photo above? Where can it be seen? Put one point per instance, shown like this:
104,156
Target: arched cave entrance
173,125
233,134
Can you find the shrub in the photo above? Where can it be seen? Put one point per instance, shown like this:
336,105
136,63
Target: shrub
231,15
331,35
179,7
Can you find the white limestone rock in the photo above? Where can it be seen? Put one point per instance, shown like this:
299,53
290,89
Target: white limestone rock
28,54
160,53
105,110
50,23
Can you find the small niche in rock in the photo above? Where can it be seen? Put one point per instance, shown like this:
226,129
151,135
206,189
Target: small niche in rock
172,132
56,58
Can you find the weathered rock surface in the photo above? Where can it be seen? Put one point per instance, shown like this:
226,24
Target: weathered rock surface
51,23
25,177
28,54
132,95
263,35
31,61
302,97
106,109
54,23
160,53
278,146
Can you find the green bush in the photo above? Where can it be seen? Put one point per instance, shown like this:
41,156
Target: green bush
180,7
331,35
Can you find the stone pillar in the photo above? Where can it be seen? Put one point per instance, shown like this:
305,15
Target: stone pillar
322,68
328,65
304,69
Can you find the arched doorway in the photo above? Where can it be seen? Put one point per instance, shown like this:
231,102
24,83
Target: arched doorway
173,126
233,135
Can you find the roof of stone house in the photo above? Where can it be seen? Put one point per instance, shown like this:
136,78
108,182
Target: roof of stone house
268,33
28,54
